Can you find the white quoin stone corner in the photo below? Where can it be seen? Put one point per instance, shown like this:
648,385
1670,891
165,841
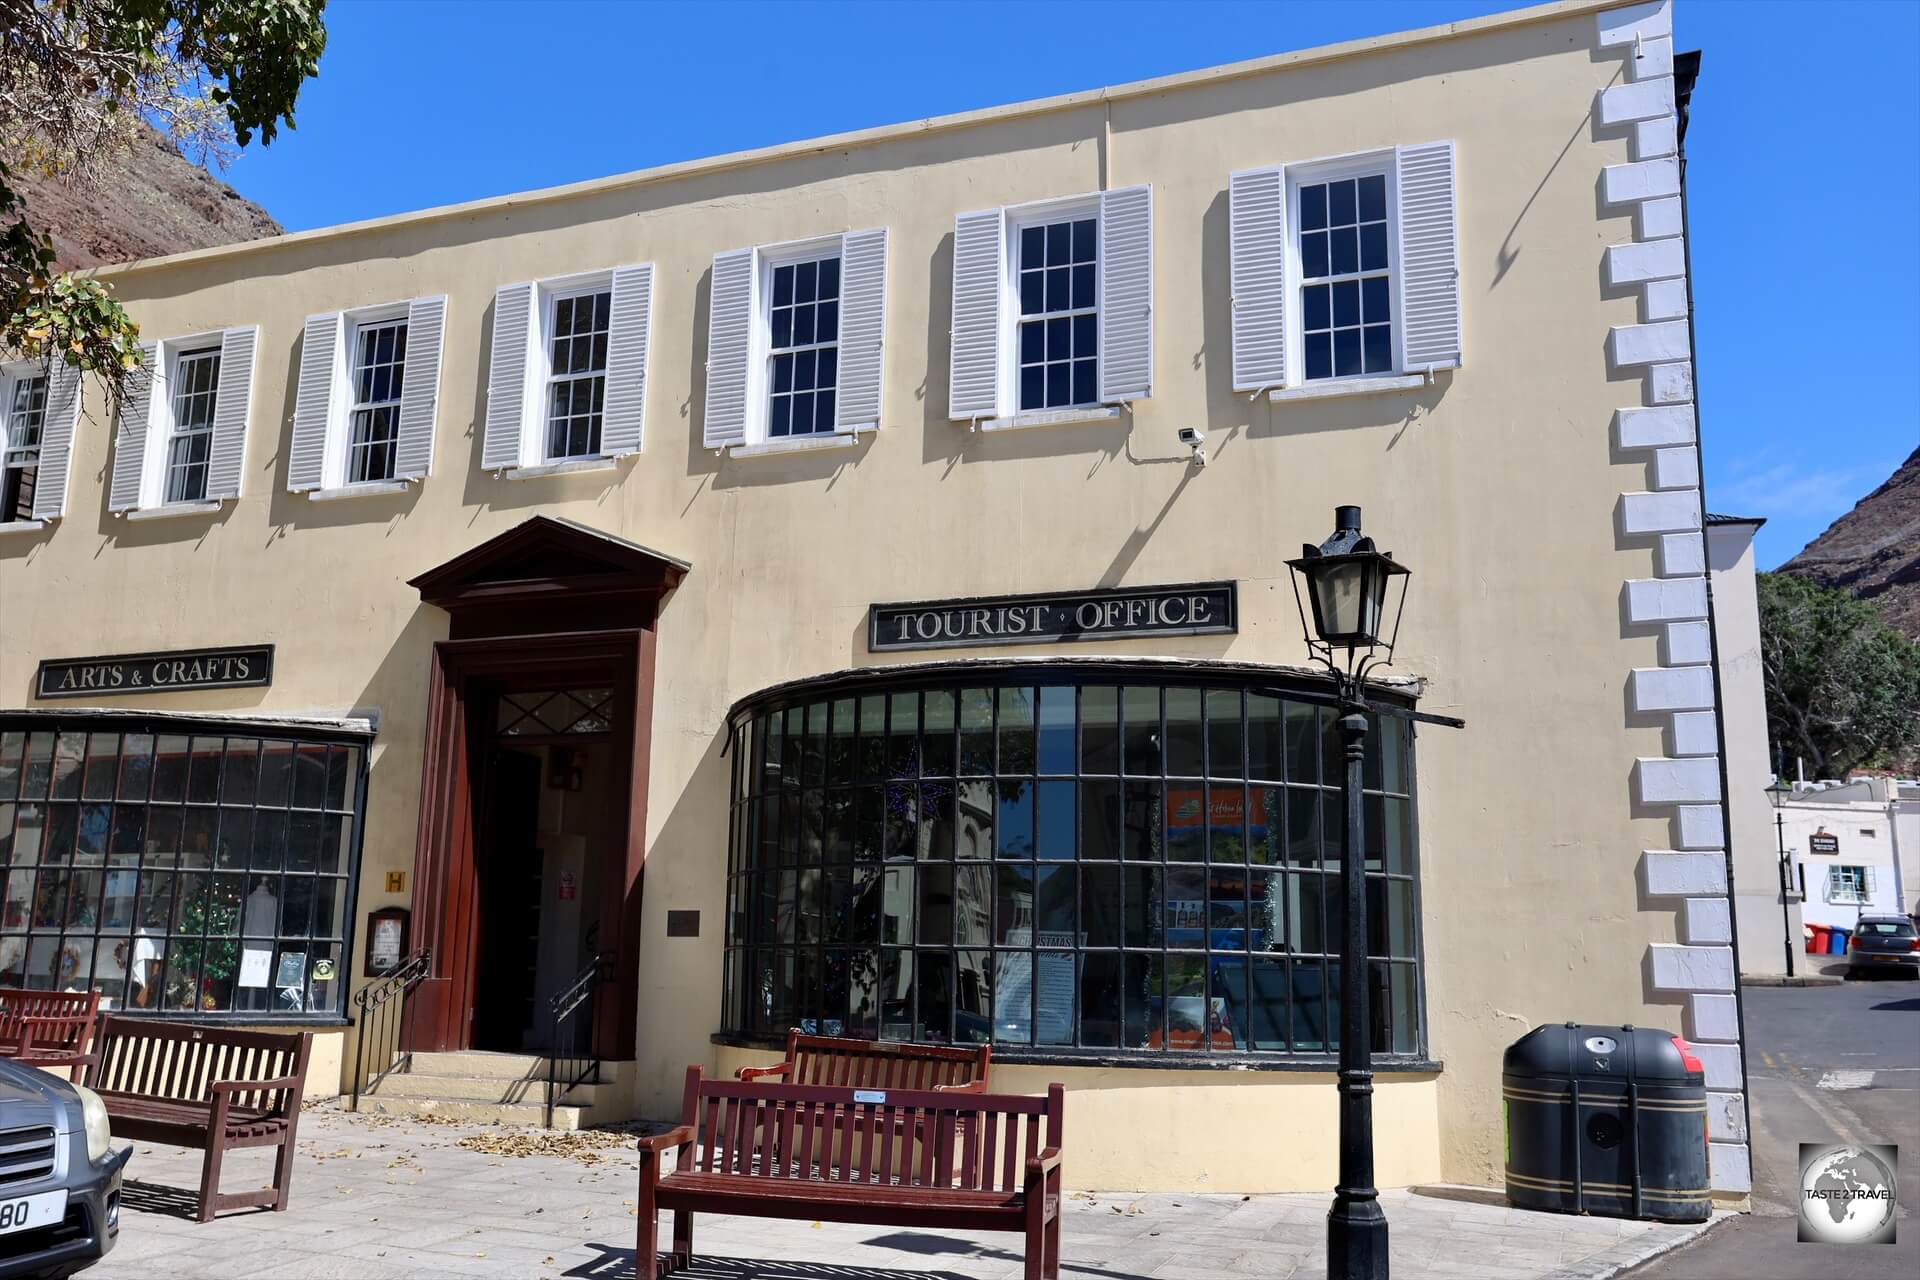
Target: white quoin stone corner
1663,300
1677,968
1655,138
1636,100
1647,21
1713,1018
1660,512
1658,343
1654,260
1658,218
1640,180
1677,468
1670,383
1682,554
1726,1116
1731,1166
1687,642
1663,780
1655,58
1695,733
1663,426
1671,688
1702,826
1707,922
1722,1062
1666,599
1672,873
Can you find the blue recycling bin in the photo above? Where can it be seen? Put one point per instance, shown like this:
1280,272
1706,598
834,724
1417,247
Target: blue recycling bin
1841,937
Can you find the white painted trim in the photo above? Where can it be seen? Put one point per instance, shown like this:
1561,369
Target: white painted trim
1051,418
796,444
571,466
368,489
1331,387
173,510
21,526
1013,219
1384,162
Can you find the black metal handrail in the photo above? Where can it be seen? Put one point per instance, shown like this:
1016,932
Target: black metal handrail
570,1057
385,1018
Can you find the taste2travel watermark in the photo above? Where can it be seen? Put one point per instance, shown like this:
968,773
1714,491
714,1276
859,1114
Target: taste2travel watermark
1847,1194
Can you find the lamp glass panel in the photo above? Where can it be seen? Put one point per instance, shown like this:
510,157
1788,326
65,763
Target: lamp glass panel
1339,592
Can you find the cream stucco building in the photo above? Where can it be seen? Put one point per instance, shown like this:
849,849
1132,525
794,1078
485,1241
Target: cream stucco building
566,516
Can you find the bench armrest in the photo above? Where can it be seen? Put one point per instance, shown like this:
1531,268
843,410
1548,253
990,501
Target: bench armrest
1044,1163
677,1137
782,1069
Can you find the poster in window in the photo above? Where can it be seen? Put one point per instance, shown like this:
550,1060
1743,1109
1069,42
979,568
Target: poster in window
255,964
293,970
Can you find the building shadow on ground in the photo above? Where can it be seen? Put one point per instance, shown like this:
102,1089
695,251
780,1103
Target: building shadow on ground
617,1264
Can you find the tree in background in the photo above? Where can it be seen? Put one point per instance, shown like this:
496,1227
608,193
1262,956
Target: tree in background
77,80
1843,688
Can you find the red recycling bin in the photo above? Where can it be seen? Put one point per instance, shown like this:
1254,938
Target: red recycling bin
1821,933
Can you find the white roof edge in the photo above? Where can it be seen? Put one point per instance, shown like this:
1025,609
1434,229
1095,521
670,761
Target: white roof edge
883,133
368,724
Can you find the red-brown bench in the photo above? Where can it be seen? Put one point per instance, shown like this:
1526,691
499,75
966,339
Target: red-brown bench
877,1064
898,1158
205,1087
47,1028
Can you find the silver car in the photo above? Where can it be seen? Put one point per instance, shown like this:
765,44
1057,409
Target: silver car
59,1175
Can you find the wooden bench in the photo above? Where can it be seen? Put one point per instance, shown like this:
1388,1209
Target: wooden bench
956,1160
206,1087
47,1028
877,1064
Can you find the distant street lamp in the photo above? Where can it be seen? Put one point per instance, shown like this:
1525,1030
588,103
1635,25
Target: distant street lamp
1347,582
1778,794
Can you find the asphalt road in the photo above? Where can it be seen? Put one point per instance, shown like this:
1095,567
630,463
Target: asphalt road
1796,1037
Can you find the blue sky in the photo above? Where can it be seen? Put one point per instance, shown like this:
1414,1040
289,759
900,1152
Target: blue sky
1805,200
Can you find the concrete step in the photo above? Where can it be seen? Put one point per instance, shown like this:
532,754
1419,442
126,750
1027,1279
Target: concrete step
402,1084
480,1064
469,1111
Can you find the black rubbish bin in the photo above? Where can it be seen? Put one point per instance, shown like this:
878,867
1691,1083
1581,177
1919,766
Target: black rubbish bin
1606,1120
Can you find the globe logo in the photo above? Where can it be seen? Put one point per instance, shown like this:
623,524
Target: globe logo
1846,1194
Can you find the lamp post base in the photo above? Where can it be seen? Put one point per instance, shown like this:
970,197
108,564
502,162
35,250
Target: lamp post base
1356,1236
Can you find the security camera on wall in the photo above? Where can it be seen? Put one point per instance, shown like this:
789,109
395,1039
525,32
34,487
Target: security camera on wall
1194,438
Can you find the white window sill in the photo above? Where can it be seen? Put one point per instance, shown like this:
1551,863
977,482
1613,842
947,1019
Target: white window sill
1051,418
1349,387
573,466
174,510
367,489
22,526
797,444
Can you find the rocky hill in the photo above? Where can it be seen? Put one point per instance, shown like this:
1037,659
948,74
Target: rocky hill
1873,552
148,202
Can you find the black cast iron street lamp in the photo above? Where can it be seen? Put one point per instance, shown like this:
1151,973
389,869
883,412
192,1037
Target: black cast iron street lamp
1348,583
1778,793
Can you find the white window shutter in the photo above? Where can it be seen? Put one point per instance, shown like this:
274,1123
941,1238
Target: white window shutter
313,403
1429,294
130,438
1126,294
1872,882
419,388
979,285
729,348
56,441
628,337
507,376
863,304
227,455
1257,221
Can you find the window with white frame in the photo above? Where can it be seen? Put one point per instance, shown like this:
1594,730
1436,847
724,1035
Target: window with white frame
1055,263
578,327
379,367
1847,884
24,399
1346,273
195,387
803,345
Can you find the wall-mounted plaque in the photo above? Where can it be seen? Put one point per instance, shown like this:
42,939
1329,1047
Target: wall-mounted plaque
1119,613
239,667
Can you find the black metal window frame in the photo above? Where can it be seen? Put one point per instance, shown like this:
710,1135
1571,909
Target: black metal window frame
1170,1035
336,945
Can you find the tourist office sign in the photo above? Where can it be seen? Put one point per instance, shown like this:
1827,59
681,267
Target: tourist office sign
237,667
1120,613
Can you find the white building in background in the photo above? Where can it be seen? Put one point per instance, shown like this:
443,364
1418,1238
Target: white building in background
1844,839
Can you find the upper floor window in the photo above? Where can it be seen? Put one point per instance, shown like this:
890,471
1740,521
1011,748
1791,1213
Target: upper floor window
196,382
577,373
803,345
369,380
1847,884
1059,313
26,408
567,384
1052,309
1346,310
379,371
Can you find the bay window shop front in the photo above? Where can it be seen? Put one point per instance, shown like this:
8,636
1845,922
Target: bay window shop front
1071,862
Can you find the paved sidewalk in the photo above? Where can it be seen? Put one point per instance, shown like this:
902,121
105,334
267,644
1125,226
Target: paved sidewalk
379,1198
